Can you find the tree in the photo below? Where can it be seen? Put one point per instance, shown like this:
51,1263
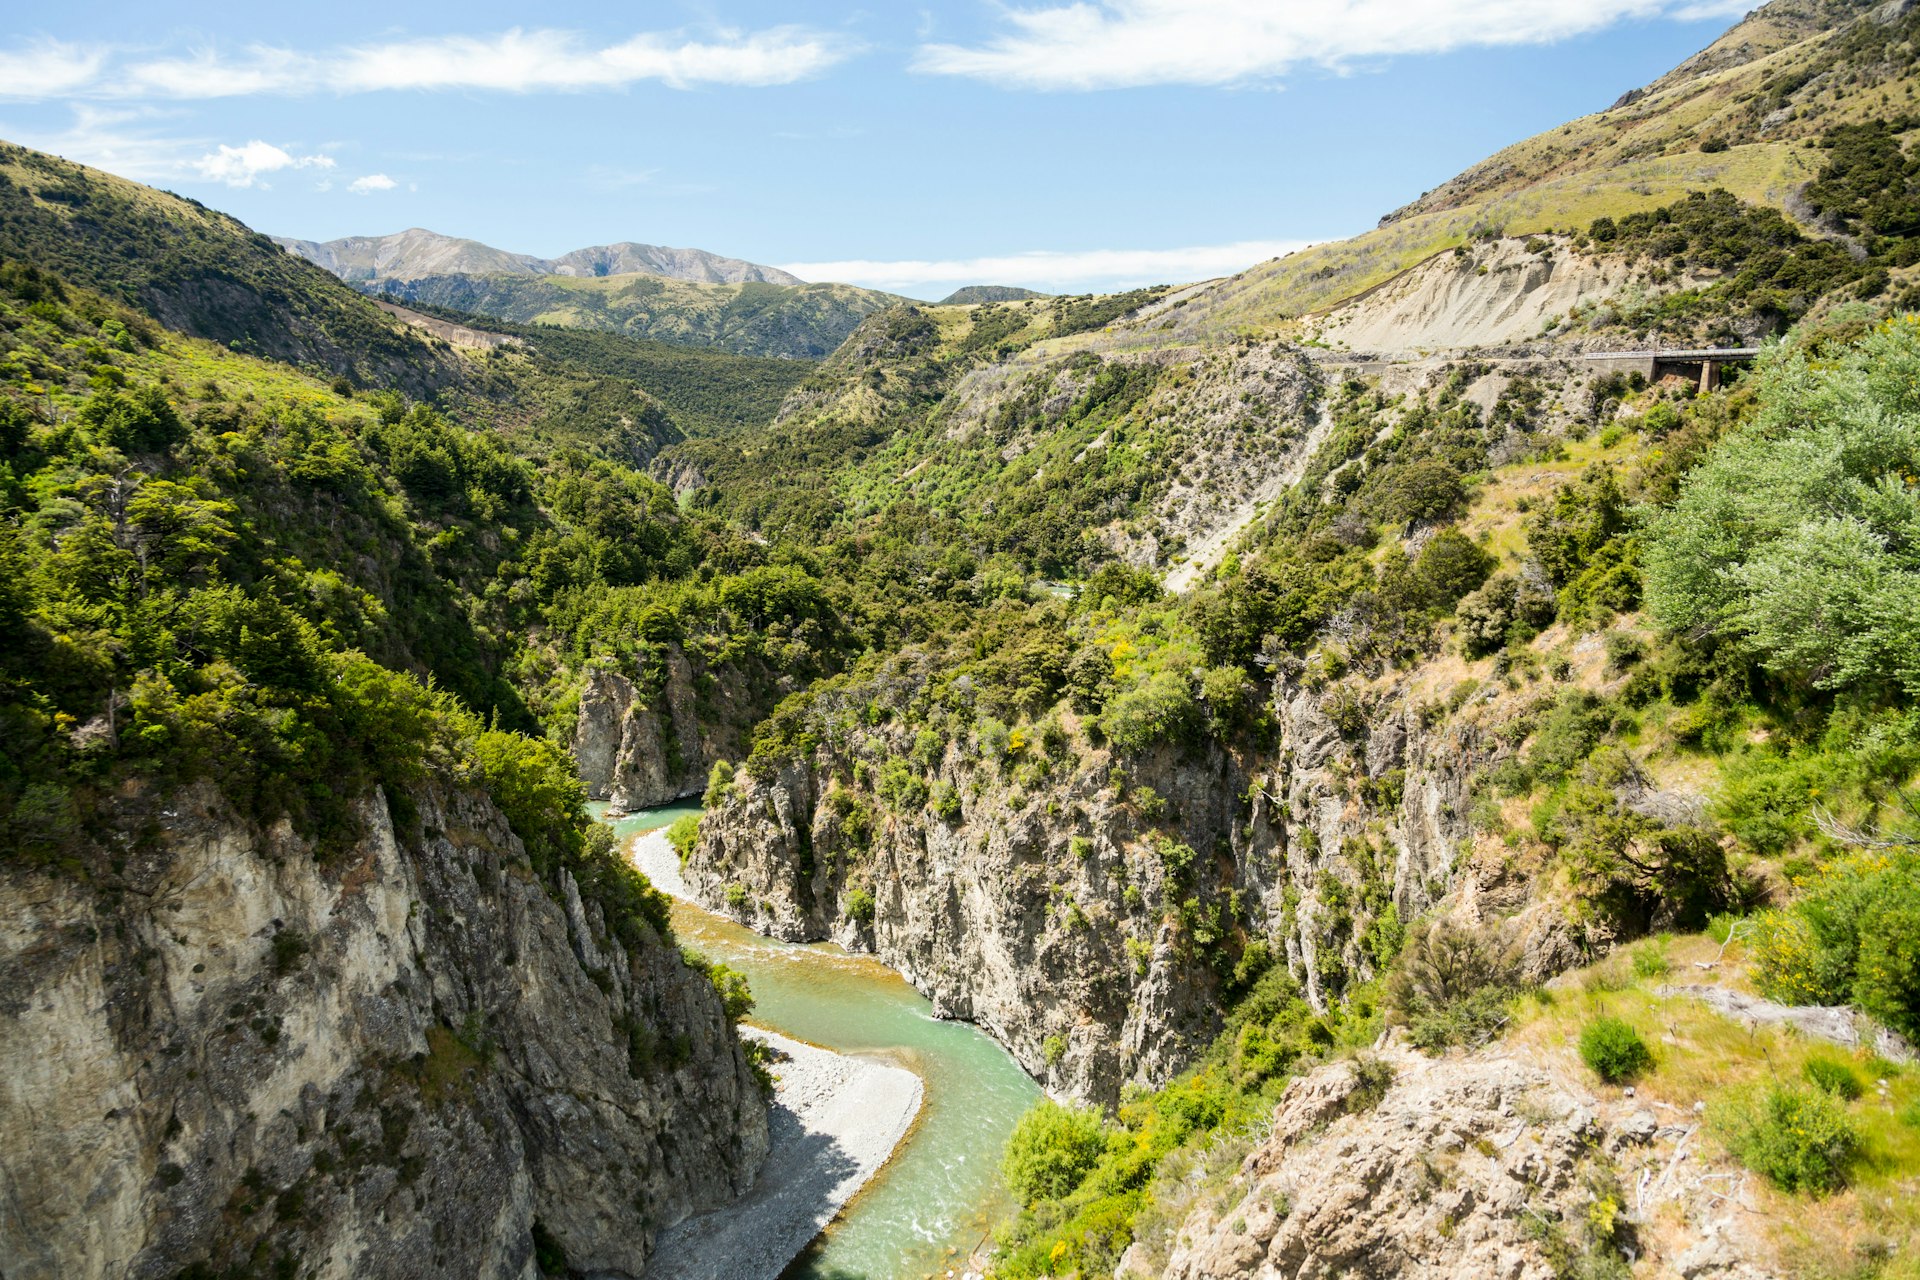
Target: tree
1052,1150
1799,536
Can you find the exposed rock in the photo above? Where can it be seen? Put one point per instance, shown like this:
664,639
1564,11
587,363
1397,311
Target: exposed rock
637,751
1836,1024
1059,915
1467,1167
400,1061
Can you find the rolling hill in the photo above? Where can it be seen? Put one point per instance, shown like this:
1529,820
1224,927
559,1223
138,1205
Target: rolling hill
799,322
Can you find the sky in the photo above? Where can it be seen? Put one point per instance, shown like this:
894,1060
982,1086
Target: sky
1062,145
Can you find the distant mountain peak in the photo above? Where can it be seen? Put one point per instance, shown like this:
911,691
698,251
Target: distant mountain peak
417,253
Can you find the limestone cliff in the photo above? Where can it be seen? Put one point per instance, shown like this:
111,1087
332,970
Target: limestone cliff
1052,917
221,1055
637,749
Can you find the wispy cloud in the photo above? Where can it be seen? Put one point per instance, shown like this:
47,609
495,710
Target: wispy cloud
371,183
48,69
1059,272
1104,44
609,177
244,166
513,61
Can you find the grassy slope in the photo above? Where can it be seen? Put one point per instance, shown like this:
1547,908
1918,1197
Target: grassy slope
203,273
1701,1056
1634,156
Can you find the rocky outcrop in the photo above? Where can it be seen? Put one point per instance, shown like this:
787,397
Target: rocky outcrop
414,1057
1083,935
637,750
1478,1166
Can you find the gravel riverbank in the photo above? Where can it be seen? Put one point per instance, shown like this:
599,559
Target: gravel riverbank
836,1119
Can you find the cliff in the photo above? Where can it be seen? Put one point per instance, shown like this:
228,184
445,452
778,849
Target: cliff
638,748
222,1056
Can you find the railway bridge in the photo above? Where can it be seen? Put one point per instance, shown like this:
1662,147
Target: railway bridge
1701,366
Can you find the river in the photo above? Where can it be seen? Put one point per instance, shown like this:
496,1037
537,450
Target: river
936,1199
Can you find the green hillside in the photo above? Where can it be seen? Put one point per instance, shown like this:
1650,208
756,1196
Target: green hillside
202,272
798,322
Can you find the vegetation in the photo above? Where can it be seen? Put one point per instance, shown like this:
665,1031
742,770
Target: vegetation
795,322
1800,1139
1614,1050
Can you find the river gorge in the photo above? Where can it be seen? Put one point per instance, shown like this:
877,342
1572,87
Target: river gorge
935,1200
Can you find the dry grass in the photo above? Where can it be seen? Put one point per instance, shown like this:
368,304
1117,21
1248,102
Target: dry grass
1870,1229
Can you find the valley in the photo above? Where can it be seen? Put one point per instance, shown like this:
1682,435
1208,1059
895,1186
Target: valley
633,764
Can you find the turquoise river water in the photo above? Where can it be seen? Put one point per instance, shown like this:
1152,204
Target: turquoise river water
933,1203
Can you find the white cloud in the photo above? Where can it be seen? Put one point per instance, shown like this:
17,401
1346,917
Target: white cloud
1102,44
243,166
513,61
370,183
1054,272
125,140
48,69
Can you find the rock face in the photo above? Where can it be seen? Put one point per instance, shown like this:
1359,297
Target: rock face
412,1059
1477,1166
636,750
1048,917
1094,919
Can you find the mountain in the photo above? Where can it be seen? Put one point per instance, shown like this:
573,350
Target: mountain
1391,660
796,322
1749,115
976,293
415,254
203,273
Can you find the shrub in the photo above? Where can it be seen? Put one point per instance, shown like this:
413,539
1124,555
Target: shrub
1614,1050
1372,1077
1800,1139
719,785
860,907
946,801
736,1000
1450,985
1832,1077
683,833
1854,935
1052,1150
1160,710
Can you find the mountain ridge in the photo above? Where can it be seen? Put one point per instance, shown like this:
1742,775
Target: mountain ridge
416,253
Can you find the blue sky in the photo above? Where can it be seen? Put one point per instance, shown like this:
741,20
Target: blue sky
1060,145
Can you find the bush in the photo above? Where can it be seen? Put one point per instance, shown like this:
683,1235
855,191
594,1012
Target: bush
1799,1139
1832,1077
1855,935
683,833
719,785
1614,1050
860,907
1451,985
1052,1150
1160,710
1372,1077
